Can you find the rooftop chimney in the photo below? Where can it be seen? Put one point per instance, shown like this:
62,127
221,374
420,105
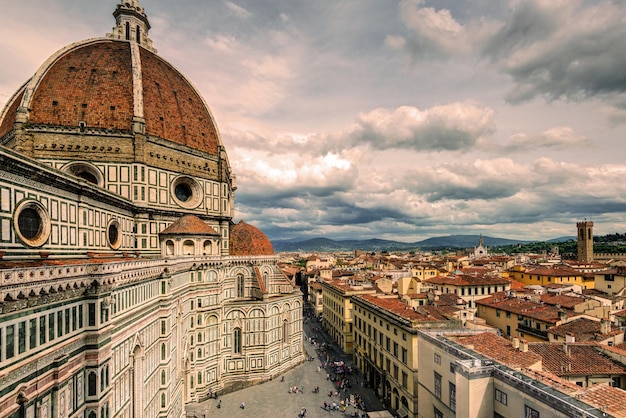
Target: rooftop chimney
515,342
605,326
523,346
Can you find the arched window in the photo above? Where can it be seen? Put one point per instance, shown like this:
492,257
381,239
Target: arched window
169,247
163,351
138,35
163,397
199,378
199,355
162,377
188,247
208,247
285,331
191,381
237,341
92,381
240,285
92,414
127,31
199,337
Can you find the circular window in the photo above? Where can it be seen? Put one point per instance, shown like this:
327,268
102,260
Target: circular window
114,235
187,192
183,192
32,223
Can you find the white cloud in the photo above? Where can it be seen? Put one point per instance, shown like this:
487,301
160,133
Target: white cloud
237,10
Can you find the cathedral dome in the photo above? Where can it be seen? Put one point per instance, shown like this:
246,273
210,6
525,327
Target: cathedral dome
246,239
115,85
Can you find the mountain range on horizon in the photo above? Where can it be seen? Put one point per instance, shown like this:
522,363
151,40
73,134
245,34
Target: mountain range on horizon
377,245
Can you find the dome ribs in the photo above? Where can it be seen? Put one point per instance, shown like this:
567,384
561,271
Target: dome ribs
11,112
172,108
91,84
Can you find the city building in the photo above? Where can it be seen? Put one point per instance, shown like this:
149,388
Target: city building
475,375
613,280
337,309
127,288
551,275
469,287
385,342
521,317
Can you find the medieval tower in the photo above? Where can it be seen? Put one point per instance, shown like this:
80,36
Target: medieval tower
585,241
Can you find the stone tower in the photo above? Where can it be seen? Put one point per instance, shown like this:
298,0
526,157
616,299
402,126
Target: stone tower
585,241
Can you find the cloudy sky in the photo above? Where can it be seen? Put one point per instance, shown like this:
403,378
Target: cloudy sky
394,119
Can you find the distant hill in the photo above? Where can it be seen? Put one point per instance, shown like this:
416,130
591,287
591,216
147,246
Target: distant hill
379,245
563,239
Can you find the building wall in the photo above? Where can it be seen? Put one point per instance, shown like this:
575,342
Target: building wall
386,351
508,323
611,283
483,388
337,311
119,333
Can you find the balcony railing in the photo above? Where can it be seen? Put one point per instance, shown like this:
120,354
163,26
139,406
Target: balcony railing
521,327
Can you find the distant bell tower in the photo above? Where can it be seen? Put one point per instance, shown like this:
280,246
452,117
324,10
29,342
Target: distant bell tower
585,241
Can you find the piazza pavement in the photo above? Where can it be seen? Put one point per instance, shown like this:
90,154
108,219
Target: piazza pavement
272,399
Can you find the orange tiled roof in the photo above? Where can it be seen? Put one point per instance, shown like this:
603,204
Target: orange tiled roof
467,280
583,329
569,302
522,306
553,271
611,399
401,309
499,349
189,225
579,359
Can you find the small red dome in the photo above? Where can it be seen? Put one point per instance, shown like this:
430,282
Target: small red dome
246,239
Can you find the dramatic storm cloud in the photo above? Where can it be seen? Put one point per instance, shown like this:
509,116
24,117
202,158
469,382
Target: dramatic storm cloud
398,119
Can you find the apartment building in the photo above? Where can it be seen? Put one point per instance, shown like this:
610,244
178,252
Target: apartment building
551,275
385,346
612,281
337,309
470,287
521,317
463,374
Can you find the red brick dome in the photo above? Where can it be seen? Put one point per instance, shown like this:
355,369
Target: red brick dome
112,85
246,239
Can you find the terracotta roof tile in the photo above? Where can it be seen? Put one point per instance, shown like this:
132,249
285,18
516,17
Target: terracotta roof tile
583,329
189,225
522,306
401,309
500,349
574,359
246,239
611,399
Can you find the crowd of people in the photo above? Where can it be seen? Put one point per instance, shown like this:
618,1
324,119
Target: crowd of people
341,375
